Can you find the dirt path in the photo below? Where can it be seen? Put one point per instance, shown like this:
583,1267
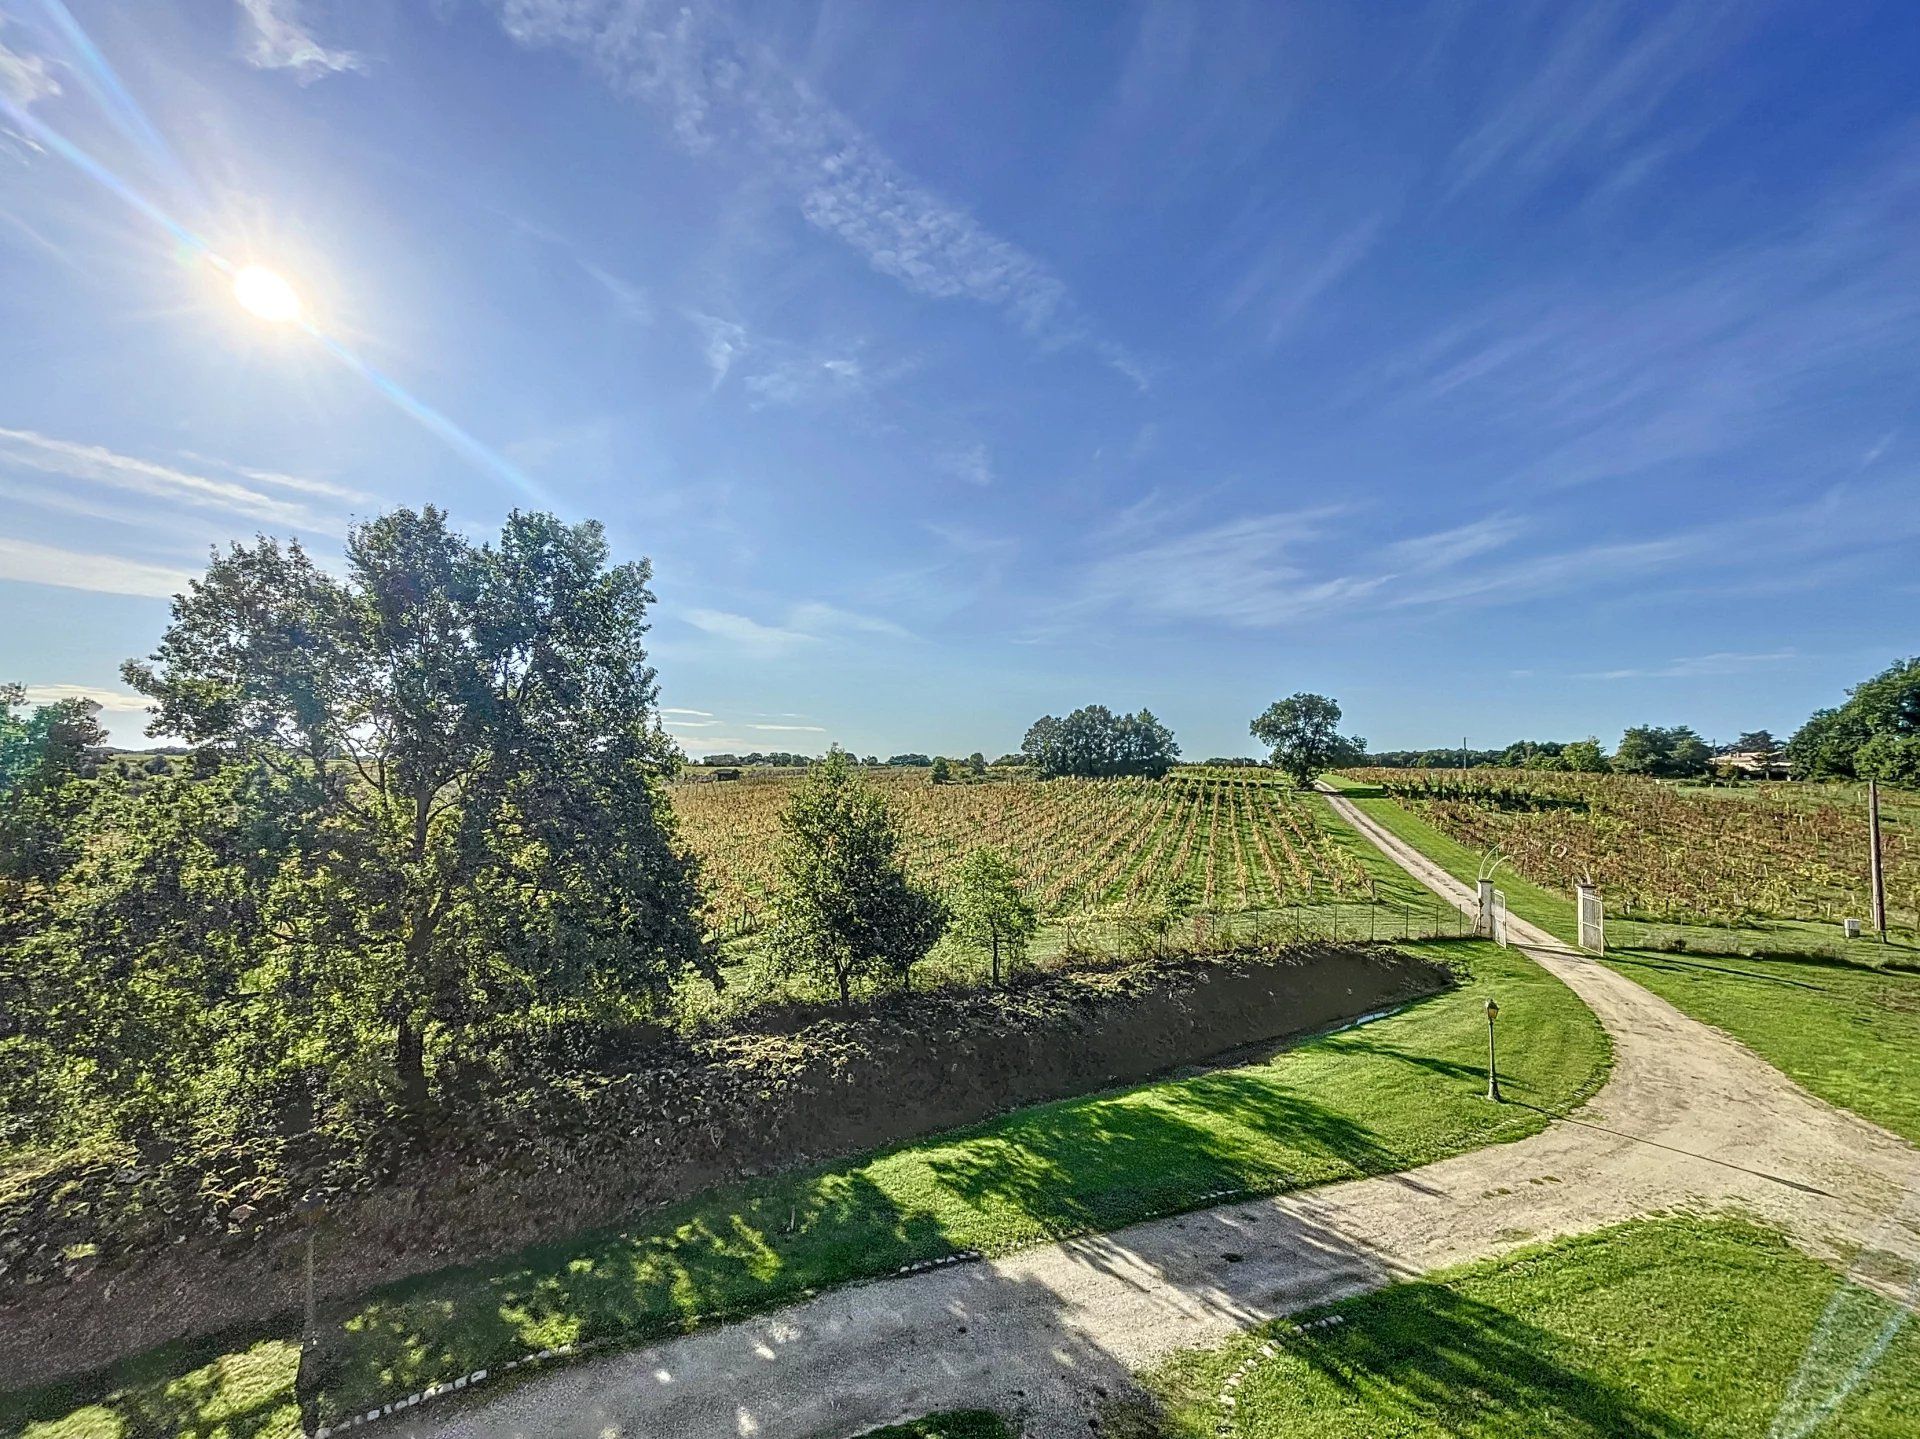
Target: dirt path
1688,1118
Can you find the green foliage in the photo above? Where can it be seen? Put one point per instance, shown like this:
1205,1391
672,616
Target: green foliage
942,771
44,756
1832,744
1892,758
426,812
1302,731
846,909
991,910
1584,756
1095,743
1668,752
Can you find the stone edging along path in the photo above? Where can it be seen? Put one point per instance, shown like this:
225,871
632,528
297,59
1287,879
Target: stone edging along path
1687,1118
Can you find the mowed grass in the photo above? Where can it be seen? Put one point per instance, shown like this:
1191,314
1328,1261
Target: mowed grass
1844,1025
1391,1095
1659,1329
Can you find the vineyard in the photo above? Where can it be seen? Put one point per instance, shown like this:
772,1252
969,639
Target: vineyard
1665,854
1211,842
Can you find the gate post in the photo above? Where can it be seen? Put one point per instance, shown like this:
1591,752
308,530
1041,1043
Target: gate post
1593,918
1483,925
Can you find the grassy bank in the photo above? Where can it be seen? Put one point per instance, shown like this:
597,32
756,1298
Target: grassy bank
1401,1092
1652,1330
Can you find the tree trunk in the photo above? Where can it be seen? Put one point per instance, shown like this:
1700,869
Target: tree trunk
996,961
409,1063
842,976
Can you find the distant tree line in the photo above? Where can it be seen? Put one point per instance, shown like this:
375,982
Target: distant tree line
779,759
1095,743
1875,734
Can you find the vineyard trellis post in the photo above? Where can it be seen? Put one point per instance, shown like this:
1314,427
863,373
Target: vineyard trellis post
1875,875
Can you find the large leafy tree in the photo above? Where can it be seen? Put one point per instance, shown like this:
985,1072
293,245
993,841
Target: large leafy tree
991,909
847,910
1668,751
1874,735
465,751
1093,742
1302,732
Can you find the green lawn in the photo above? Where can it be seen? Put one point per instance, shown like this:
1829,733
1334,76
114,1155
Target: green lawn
967,1424
1661,1329
1830,1014
1397,1093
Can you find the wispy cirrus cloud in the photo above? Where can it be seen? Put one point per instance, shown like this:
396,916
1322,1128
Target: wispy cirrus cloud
24,79
1692,362
1692,667
805,624
1272,570
276,35
723,93
28,450
37,564
1596,82
111,700
749,634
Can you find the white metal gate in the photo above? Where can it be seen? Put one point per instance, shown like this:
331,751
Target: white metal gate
1500,918
1593,920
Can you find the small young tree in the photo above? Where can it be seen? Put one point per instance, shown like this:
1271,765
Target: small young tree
991,908
1585,756
1302,732
942,770
846,908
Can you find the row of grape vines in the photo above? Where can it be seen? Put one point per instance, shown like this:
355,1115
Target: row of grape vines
1663,853
1218,844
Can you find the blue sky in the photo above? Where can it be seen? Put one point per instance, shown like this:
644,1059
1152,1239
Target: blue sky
1504,370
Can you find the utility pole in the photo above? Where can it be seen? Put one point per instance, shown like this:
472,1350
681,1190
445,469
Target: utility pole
1876,876
1463,751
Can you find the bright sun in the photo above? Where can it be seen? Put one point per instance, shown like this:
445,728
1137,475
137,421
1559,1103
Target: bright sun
263,293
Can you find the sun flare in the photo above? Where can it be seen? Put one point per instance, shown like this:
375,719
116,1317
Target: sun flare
266,294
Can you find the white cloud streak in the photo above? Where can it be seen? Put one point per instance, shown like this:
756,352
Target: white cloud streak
35,564
1692,667
111,701
97,465
723,93
275,36
1599,85
24,79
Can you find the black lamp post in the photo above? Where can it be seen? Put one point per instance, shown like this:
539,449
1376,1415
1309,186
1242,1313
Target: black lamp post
1493,1071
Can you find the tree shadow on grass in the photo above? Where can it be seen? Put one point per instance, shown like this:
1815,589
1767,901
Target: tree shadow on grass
1423,1357
1694,968
743,1250
1101,1166
235,1385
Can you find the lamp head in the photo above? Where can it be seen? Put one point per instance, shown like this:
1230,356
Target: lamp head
1492,1009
